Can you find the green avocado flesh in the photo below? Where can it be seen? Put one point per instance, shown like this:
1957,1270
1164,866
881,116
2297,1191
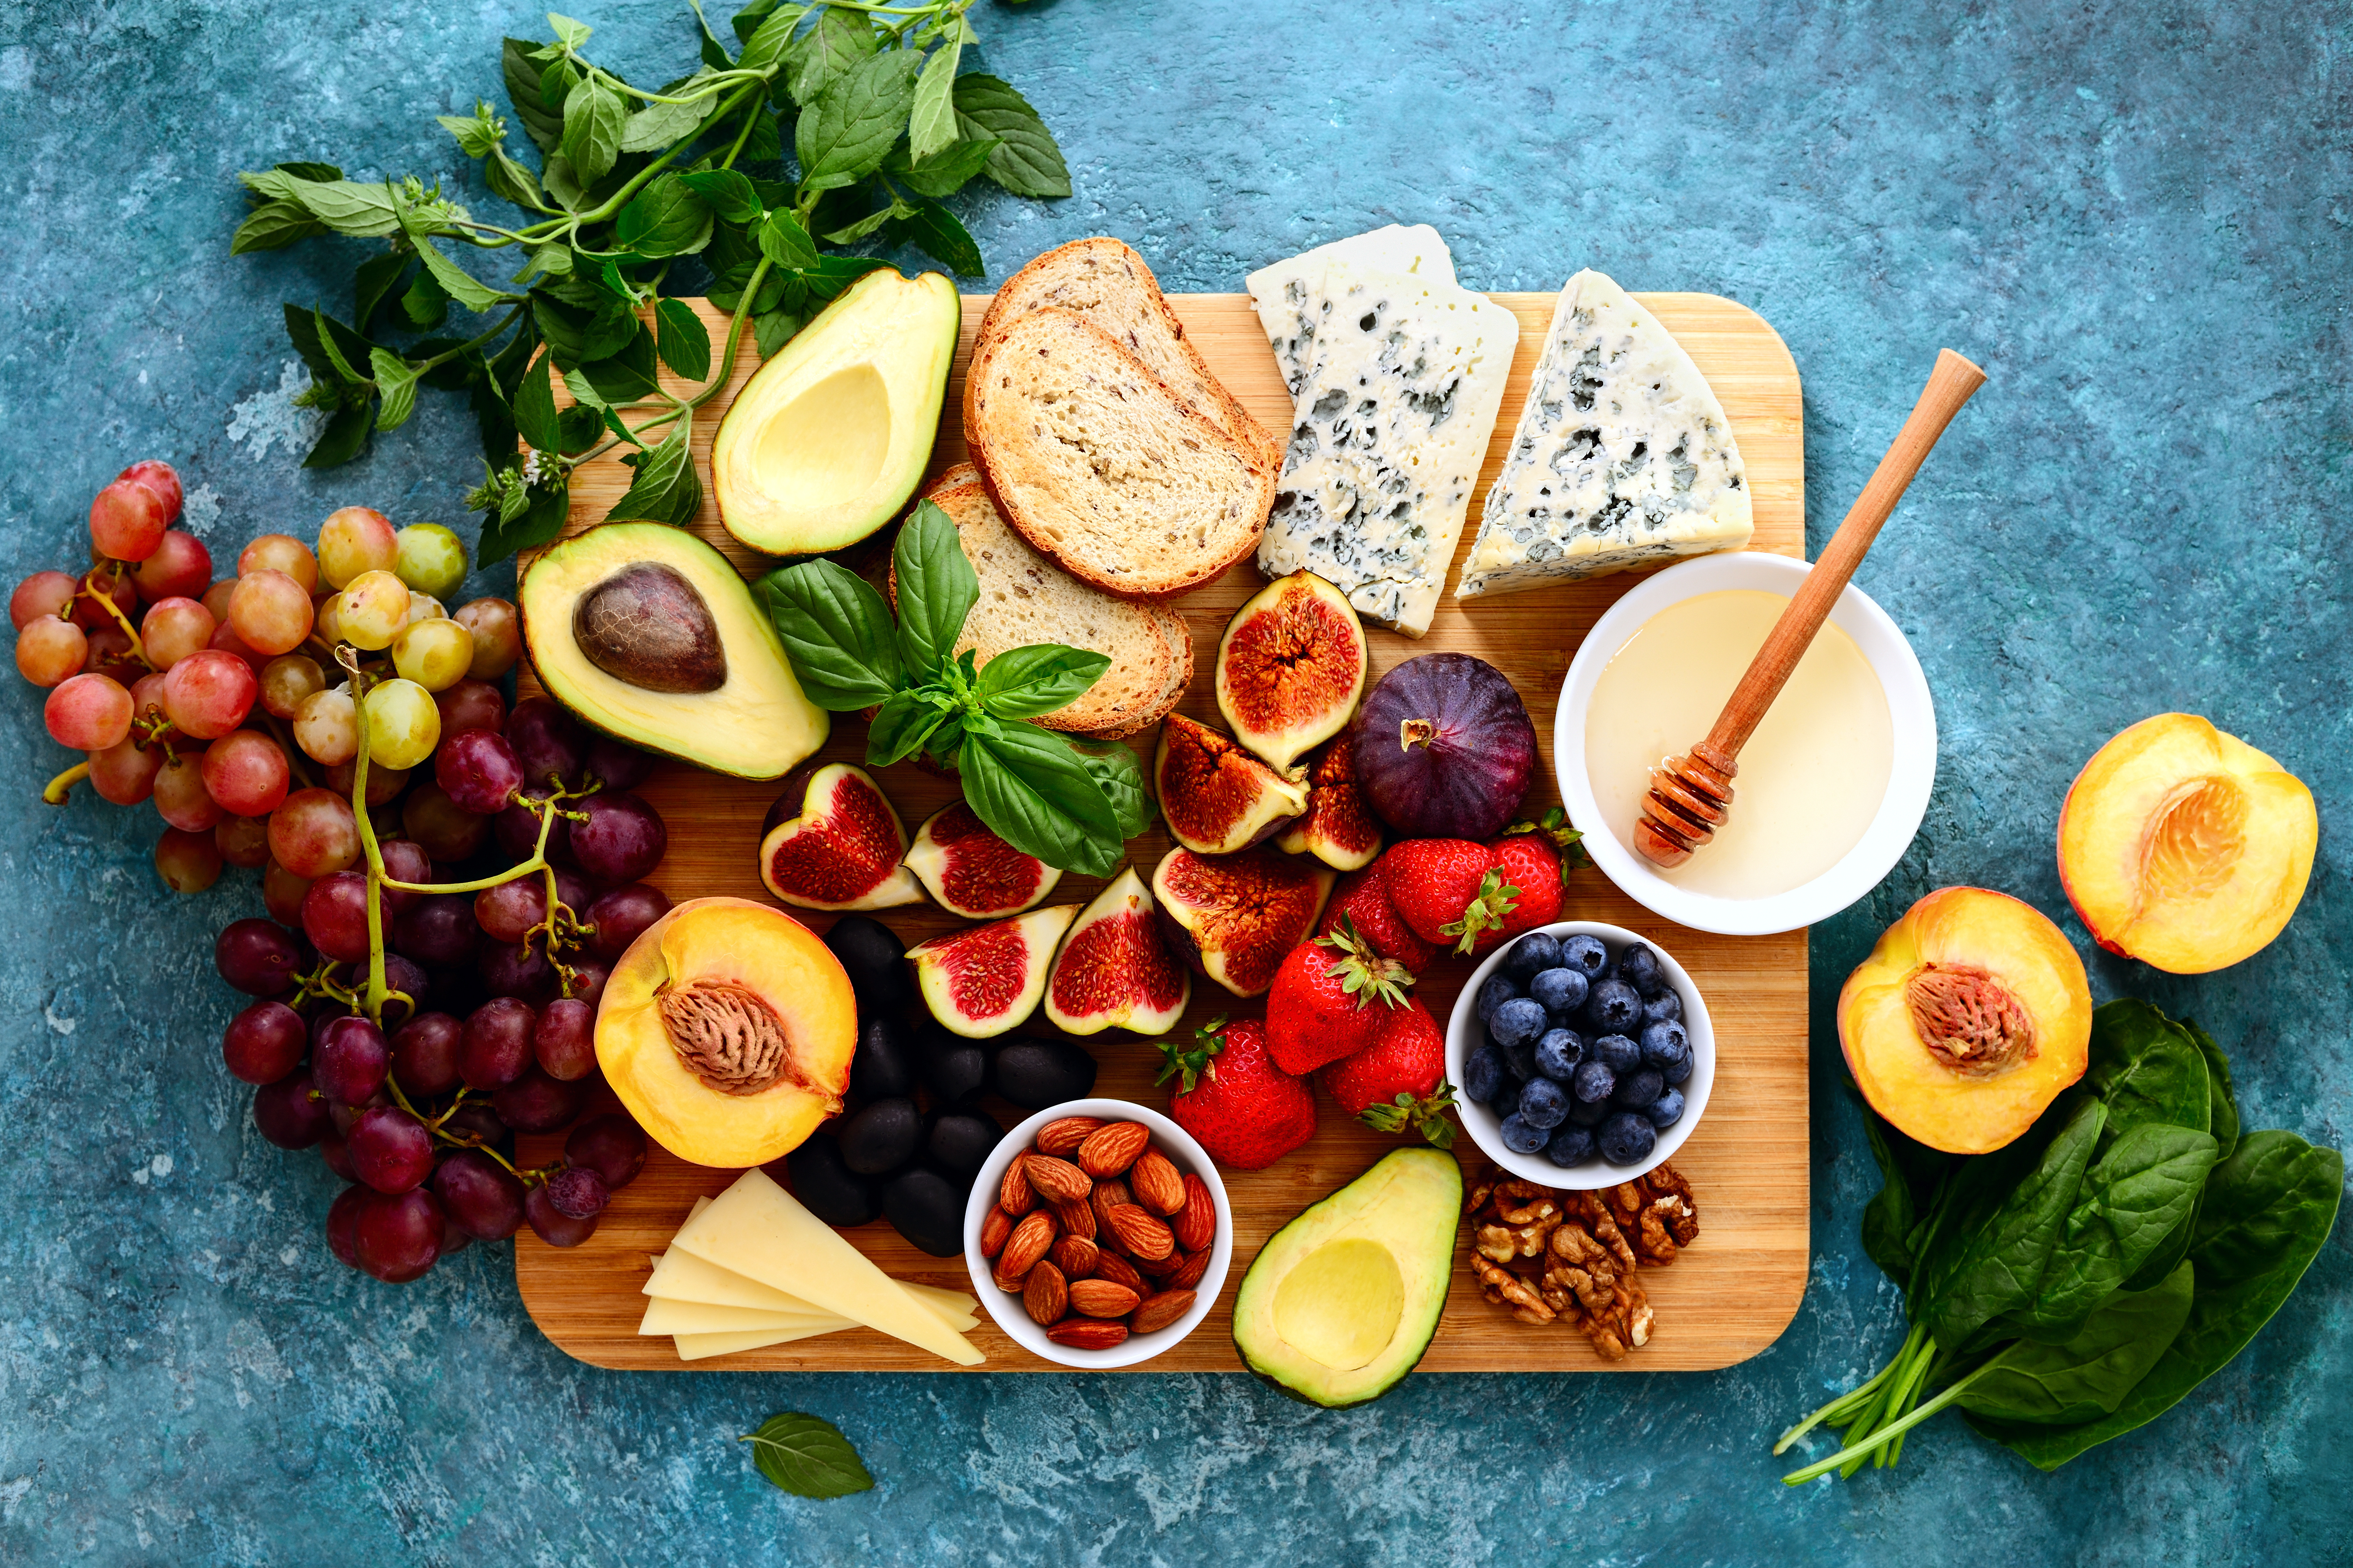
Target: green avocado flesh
649,634
1341,1303
828,440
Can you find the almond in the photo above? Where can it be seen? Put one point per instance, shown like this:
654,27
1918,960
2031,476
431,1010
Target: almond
1075,1255
1196,1223
1111,1265
1109,1196
1162,1269
993,1229
1061,1137
1014,1195
1101,1297
1056,1179
1077,1219
1113,1147
1025,1246
1156,1185
1045,1296
1137,1233
1185,1278
1157,1311
1087,1333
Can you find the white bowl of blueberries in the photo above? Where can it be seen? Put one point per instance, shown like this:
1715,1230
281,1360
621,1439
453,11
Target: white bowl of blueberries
1583,1056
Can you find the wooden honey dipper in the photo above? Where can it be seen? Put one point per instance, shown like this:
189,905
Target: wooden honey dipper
1691,796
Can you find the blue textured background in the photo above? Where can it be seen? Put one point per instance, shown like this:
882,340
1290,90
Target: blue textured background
2137,217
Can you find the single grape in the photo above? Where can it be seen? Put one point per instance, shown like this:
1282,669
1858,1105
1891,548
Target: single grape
425,1054
336,1150
507,909
405,860
159,477
538,1103
288,681
124,774
403,724
242,841
181,568
42,593
422,607
188,862
475,1124
335,916
342,1224
181,798
478,771
269,612
565,1041
391,1149
406,977
95,588
496,1046
208,693
216,598
435,654
350,1060
110,655
611,1145
617,764
577,1193
50,650
312,833
282,892
342,1119
290,1114
88,712
548,743
470,704
354,541
439,929
174,628
522,973
147,697
398,1238
384,784
323,624
127,520
448,834
430,558
265,1042
517,827
258,957
620,916
498,636
551,1224
280,552
453,1240
481,1197
247,773
226,640
621,840
326,726
588,977
373,609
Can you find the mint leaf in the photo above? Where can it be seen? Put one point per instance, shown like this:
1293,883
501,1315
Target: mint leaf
594,115
1038,678
522,75
627,376
934,231
1028,162
667,488
666,218
729,193
683,342
937,588
346,206
807,1456
784,241
535,410
274,224
765,37
844,136
395,384
837,632
944,175
932,121
829,50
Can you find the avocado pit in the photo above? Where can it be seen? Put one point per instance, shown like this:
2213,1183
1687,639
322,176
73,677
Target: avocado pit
649,626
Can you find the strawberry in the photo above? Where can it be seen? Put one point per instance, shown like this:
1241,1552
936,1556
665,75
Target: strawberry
1449,891
1533,866
1247,1112
1321,1006
1363,898
1399,1080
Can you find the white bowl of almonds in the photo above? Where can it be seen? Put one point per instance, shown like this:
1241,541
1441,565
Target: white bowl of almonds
1098,1234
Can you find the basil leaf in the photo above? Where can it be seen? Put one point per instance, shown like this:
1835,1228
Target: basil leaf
1038,677
273,225
831,49
2087,1376
944,175
900,727
936,231
807,1458
522,79
1035,792
666,218
937,588
1121,778
1026,161
667,488
628,376
784,241
931,119
838,633
844,135
594,115
683,342
728,192
395,384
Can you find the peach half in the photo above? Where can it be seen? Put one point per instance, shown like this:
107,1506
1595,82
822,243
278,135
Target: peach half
727,1029
1969,1017
2185,848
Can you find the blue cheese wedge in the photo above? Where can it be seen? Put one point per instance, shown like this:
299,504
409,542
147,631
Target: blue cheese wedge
1282,293
1391,424
1624,457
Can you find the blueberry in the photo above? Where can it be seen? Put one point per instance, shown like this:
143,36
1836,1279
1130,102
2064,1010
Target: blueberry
1612,1006
1664,1040
1622,1054
1557,1053
1664,1008
1638,1088
1494,994
1532,954
1521,1059
1626,1138
1519,1022
1639,967
1483,1073
1584,1113
1586,954
1594,1082
1665,1110
1562,990
1572,1145
1543,1103
1522,1137
1672,1058
1507,1095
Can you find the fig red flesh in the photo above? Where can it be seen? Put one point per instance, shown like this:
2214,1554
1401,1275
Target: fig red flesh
1115,972
970,871
833,842
1236,917
1217,797
1290,667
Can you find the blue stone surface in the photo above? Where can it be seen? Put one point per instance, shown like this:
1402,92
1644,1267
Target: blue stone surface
2135,217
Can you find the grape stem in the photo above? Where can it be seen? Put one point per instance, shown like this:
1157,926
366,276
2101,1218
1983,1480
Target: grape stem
138,648
57,788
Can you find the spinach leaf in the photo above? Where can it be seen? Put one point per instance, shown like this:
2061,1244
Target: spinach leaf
1121,777
2224,1122
1038,678
1033,790
838,633
936,588
1997,1265
2134,1196
1911,1176
2092,1372
2146,1069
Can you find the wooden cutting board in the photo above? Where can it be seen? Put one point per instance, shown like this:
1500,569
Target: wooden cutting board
1726,1298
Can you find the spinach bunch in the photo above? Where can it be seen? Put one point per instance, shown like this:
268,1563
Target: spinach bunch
832,123
2078,1283
1073,806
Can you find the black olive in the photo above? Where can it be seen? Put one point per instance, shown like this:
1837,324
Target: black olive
1035,1074
961,1140
923,1206
875,960
884,1066
880,1138
954,1067
828,1188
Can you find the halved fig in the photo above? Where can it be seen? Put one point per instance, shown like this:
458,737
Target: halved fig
1339,828
1291,668
1235,917
970,871
988,979
832,841
1217,798
1115,971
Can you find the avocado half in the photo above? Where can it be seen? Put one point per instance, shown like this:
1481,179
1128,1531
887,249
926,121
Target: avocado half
828,440
1341,1303
646,633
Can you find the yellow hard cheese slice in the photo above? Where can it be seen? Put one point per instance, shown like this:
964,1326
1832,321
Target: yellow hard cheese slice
680,1276
758,1230
698,1347
702,1317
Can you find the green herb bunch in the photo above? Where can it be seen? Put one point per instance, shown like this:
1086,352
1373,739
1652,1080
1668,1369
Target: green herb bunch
1073,806
2079,1282
882,128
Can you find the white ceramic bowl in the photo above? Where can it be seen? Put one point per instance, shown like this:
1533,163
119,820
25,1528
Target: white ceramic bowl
1466,1032
1911,712
1170,1140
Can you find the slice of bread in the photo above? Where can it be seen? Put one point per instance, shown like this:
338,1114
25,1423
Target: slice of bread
1026,598
1109,284
1101,465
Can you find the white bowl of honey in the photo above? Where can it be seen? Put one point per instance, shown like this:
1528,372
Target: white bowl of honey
1831,786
